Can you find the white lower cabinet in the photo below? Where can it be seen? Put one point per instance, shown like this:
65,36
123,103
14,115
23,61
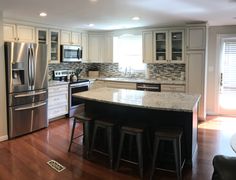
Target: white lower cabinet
57,101
196,78
172,88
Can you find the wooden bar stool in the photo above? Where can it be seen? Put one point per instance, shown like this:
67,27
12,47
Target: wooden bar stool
138,133
172,135
108,127
86,119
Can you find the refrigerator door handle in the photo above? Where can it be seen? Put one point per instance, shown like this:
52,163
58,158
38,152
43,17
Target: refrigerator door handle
29,66
32,66
30,107
33,94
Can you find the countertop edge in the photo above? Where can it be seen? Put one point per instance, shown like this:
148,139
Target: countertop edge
141,81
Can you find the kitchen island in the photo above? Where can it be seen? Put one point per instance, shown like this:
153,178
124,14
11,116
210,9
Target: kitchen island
156,109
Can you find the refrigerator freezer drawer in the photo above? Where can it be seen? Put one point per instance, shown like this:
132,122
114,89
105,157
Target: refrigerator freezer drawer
27,118
16,99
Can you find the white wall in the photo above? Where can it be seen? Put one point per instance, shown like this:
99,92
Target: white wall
3,116
213,65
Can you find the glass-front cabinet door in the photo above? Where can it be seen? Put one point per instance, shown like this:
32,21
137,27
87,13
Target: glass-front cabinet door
54,46
42,36
169,46
176,46
161,46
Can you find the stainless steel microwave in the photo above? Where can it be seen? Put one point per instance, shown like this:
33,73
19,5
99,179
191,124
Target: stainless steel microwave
71,53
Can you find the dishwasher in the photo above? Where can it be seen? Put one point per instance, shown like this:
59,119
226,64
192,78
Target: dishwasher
148,87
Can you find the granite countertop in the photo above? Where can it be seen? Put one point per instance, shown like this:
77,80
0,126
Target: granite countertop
154,81
143,99
56,83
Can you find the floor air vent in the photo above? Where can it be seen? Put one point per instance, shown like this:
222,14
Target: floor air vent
56,166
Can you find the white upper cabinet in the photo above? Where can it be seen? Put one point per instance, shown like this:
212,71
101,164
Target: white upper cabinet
70,38
84,43
100,47
54,46
147,45
169,46
196,38
41,36
108,51
18,33
96,46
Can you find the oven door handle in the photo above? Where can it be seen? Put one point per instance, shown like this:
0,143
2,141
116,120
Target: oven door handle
80,84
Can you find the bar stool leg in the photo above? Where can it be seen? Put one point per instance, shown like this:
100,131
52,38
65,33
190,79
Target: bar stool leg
177,158
72,134
131,137
94,136
120,150
140,153
155,150
87,137
110,145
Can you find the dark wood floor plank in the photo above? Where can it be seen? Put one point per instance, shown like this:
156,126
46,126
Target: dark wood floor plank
25,157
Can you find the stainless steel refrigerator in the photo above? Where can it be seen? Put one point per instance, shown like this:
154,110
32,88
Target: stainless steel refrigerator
27,87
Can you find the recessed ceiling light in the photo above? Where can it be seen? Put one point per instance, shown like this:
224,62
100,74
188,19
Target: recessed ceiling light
91,25
136,18
43,14
93,0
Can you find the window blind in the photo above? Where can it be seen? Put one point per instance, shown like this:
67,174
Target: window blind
229,63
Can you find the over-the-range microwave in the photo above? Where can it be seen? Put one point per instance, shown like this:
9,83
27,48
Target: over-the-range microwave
71,53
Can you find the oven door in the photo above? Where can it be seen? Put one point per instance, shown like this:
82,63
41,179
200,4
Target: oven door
74,102
71,53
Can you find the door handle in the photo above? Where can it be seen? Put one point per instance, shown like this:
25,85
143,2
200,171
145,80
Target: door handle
30,107
221,79
32,66
33,94
29,67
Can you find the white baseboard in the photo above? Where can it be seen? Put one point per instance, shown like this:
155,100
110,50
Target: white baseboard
3,138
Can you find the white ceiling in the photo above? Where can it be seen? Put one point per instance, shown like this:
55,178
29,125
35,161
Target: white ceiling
117,14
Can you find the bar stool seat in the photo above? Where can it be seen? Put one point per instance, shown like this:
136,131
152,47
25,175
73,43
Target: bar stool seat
173,135
107,126
86,119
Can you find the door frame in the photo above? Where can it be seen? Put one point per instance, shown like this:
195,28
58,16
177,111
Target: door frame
220,38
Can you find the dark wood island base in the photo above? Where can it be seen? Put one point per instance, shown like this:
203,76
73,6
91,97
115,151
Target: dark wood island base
153,119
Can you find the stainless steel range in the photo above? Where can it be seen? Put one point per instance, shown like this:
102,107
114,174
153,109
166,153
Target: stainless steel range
75,85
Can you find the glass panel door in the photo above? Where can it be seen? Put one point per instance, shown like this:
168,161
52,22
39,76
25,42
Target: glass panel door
42,36
177,46
227,89
54,45
161,46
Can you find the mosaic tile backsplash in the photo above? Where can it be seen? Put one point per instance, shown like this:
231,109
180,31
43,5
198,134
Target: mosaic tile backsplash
152,71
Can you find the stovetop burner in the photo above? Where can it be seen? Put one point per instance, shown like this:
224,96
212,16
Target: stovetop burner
62,75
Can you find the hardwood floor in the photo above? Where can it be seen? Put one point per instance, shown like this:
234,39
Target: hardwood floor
25,157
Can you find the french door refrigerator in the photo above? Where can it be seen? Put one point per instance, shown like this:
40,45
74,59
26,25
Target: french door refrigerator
27,87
